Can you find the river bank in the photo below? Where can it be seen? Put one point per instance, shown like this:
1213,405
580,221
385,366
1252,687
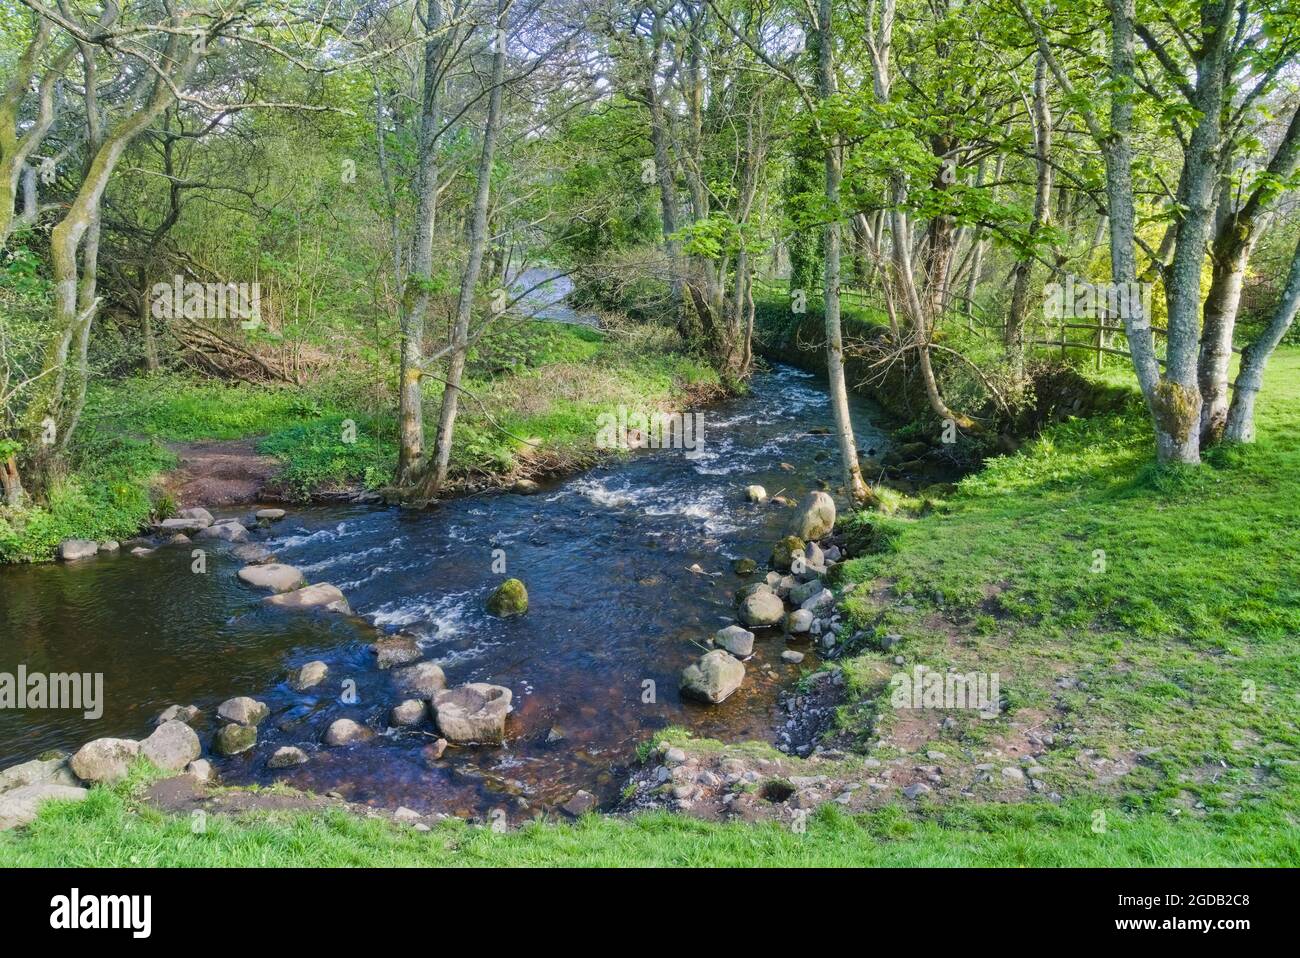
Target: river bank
1130,678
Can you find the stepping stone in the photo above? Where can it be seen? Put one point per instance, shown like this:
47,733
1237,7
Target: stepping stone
273,576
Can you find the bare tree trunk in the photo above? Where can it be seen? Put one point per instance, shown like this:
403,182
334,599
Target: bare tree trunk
1014,335
415,300
436,474
1240,426
854,486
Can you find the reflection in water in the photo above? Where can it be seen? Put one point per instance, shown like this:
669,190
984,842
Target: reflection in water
615,615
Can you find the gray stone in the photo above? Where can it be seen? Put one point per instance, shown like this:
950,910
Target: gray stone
739,642
762,608
105,760
472,713
799,621
802,593
172,746
791,656
51,771
71,550
197,514
408,713
269,515
287,757
227,531
423,678
273,577
20,806
110,545
308,676
815,516
582,801
243,710
320,596
178,713
394,650
345,732
200,769
713,678
818,601
916,789
233,739
755,493
252,553
1013,774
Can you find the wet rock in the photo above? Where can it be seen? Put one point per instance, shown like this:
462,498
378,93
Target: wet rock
200,769
744,567
799,621
178,713
509,599
762,608
70,550
140,552
791,656
394,650
755,493
815,516
196,514
435,751
20,806
820,600
785,551
525,487
582,801
714,677
424,679
739,642
252,553
269,515
408,713
105,760
555,734
233,739
243,710
287,757
110,545
805,591
308,676
172,746
320,596
345,731
814,555
473,713
273,577
227,531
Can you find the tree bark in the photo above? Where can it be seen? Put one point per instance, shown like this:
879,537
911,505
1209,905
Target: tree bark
1014,335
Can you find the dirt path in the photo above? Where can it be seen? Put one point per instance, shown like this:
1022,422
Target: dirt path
219,473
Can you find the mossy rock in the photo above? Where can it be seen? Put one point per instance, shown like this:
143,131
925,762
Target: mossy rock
744,592
509,599
744,566
233,739
785,550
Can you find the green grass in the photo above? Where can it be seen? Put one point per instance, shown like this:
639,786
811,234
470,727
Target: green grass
109,830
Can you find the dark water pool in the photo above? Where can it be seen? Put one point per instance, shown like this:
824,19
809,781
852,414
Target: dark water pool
606,557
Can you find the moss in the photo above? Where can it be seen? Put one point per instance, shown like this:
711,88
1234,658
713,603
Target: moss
1177,409
510,598
785,550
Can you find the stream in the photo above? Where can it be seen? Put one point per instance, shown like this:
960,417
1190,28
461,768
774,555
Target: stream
606,556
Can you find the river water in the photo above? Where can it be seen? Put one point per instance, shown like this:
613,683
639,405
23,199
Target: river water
606,556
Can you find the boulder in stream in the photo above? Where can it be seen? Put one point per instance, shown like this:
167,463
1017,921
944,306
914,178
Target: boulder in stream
243,710
423,679
714,677
408,713
762,608
755,493
273,577
473,713
308,676
70,550
178,713
320,596
509,599
227,531
394,650
815,516
172,746
269,515
739,642
785,551
287,756
345,731
233,739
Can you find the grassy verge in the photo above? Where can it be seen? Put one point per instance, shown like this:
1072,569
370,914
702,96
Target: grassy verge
538,381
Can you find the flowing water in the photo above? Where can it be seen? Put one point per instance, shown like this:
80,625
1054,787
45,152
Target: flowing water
606,557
